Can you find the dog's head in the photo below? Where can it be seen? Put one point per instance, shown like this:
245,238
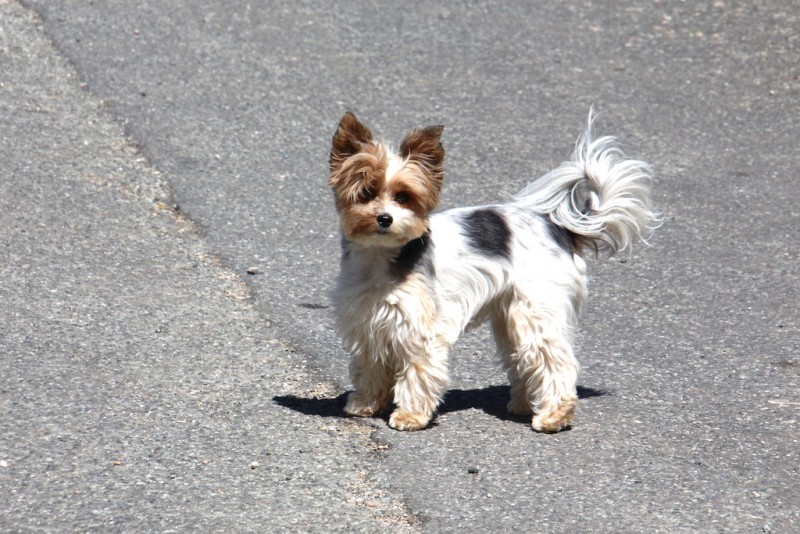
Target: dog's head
384,198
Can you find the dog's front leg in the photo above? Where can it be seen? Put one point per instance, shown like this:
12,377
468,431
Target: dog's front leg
373,382
419,387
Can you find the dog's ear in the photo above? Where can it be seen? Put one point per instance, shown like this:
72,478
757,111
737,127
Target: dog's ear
348,139
423,145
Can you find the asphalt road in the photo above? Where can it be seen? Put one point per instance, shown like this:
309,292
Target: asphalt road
152,153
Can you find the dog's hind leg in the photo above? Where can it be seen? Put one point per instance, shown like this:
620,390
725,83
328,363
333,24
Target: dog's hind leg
534,341
518,405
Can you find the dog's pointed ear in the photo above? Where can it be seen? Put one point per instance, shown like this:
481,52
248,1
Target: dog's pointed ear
424,146
348,139
424,142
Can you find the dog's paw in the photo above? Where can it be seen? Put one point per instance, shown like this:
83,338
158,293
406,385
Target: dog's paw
519,406
558,419
358,406
404,420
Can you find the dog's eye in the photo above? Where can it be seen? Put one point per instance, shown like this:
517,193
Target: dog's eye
367,195
401,197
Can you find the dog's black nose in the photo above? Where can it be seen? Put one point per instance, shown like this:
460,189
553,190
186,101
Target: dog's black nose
384,220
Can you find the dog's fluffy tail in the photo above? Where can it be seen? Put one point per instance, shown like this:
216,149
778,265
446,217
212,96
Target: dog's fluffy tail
599,196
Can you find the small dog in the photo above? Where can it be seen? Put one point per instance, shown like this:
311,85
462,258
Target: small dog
411,281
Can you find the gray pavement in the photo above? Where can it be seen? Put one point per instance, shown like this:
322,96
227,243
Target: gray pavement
152,154
137,377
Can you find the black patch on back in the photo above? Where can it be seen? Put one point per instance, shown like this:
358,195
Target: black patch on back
562,236
413,256
488,233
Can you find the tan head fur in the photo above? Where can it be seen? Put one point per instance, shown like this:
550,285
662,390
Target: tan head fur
384,198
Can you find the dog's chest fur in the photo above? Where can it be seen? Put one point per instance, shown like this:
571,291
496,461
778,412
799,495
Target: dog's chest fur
385,297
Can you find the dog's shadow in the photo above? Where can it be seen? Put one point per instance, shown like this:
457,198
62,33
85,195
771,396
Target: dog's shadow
491,400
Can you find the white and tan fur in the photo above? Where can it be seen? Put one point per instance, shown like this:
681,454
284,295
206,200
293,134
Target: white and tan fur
411,281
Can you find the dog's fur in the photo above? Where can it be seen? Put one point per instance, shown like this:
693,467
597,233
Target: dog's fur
411,281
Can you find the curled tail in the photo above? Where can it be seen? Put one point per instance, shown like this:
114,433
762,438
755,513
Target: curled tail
599,196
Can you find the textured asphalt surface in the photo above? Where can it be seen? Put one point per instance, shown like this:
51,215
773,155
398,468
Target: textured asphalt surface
152,153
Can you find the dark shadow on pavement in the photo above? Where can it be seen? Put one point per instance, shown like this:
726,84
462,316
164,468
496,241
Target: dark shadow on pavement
323,407
492,400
